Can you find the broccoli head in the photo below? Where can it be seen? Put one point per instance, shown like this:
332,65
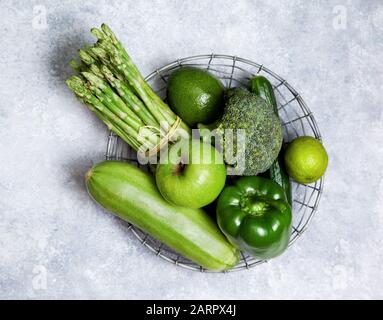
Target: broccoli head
247,111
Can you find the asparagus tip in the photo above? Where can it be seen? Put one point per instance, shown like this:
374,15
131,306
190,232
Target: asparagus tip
93,79
96,70
100,52
109,32
76,84
85,57
97,33
74,64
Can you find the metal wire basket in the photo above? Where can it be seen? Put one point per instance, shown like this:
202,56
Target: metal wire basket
296,118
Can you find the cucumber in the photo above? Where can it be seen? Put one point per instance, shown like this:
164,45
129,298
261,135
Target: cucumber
277,172
132,195
263,88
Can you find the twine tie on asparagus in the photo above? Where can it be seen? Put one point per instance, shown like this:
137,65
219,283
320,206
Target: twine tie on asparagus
165,139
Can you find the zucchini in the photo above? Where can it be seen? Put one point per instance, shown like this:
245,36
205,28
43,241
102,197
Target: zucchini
277,172
132,195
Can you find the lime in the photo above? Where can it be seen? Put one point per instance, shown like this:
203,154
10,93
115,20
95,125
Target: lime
306,159
195,95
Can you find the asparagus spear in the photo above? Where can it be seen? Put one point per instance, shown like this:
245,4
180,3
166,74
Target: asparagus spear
113,127
129,98
111,97
109,45
112,87
110,114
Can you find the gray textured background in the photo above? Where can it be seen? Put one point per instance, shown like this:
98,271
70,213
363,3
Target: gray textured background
56,243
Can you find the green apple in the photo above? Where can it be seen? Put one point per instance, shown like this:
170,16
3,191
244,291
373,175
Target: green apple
191,174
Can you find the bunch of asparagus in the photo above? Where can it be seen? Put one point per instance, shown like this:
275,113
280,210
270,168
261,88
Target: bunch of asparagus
111,86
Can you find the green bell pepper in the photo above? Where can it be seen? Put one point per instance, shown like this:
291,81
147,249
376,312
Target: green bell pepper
255,216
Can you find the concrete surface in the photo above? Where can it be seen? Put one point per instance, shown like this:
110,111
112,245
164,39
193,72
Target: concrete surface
56,243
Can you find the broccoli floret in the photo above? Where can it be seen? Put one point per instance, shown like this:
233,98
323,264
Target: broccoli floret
245,110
